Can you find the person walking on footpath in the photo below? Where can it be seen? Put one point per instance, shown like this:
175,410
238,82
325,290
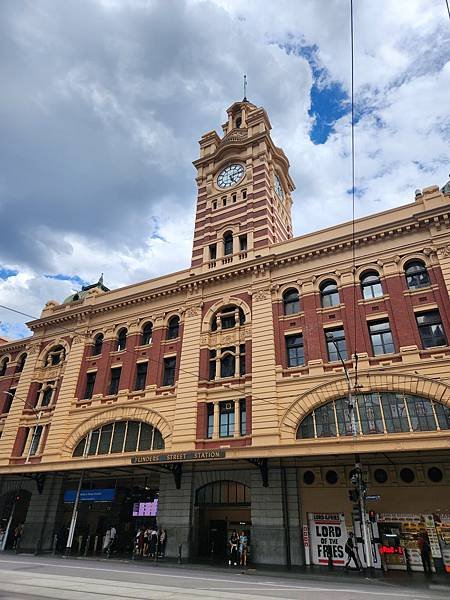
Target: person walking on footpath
425,553
233,544
350,551
162,537
243,549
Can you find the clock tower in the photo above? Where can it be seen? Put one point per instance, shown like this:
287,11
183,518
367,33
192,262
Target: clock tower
244,191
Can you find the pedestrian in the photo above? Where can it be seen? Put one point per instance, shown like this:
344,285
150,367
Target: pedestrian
233,544
425,553
18,531
146,546
106,540
243,549
162,535
139,542
350,551
153,542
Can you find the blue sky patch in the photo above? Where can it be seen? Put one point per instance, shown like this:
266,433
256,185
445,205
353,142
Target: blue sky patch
5,272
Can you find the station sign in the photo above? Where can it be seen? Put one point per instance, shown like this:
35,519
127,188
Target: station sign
373,498
98,495
170,457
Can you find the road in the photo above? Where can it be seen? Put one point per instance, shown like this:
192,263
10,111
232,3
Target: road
33,578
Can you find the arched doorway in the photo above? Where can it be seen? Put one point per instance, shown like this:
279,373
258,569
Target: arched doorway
13,512
221,506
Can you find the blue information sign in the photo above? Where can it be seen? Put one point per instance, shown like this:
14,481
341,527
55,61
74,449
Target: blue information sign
100,495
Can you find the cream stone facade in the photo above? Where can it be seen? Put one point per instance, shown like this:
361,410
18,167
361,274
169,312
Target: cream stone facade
239,356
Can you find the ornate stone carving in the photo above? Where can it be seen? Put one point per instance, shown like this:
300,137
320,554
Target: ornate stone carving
260,295
33,349
444,250
78,339
193,311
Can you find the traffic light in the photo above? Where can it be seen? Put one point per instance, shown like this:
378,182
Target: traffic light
353,495
372,516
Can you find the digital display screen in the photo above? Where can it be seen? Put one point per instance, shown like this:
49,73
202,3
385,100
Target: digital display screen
145,509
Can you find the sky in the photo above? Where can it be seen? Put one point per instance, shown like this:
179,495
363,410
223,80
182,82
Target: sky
103,103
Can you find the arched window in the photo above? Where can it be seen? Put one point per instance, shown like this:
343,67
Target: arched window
228,317
122,339
55,356
4,366
375,413
291,301
21,363
173,329
98,344
228,243
223,492
371,285
147,333
120,436
329,293
416,275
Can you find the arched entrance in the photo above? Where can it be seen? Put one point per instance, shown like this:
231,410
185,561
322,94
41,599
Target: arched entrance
13,512
221,506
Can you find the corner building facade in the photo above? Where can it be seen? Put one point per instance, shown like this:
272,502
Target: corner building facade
221,391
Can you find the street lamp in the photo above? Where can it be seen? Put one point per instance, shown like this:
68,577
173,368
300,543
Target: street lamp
37,414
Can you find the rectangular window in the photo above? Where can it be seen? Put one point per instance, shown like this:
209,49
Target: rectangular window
242,359
9,400
395,415
226,419
115,380
212,364
244,194
169,371
431,329
213,252
90,382
370,413
336,344
36,434
381,337
325,421
141,376
294,350
243,416
242,243
209,420
48,393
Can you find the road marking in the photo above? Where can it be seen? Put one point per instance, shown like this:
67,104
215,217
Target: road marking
216,579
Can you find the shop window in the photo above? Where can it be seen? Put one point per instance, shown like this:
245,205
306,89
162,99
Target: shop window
294,350
173,329
228,243
309,477
21,363
141,376
331,477
90,383
416,275
371,285
147,334
380,475
122,339
431,329
118,437
407,475
55,356
98,345
381,337
435,474
375,413
115,381
169,371
329,293
291,302
336,347
4,366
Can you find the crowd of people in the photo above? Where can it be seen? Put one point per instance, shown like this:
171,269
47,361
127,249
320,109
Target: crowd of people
150,542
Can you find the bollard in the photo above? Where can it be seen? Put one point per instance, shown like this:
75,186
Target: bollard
54,544
180,548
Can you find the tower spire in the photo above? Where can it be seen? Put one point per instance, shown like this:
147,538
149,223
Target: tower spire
245,89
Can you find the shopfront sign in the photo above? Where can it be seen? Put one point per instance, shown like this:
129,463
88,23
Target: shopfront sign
179,456
327,536
99,495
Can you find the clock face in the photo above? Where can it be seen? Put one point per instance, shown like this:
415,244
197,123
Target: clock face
230,176
279,188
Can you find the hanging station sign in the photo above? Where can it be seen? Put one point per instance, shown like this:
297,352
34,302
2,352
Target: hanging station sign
327,537
179,457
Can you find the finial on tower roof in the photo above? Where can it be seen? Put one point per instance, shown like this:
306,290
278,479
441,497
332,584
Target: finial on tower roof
100,280
245,89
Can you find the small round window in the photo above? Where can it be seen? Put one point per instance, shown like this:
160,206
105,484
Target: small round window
380,475
407,475
331,477
308,477
435,474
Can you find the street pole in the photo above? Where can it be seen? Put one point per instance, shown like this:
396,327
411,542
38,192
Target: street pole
13,510
363,514
73,521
